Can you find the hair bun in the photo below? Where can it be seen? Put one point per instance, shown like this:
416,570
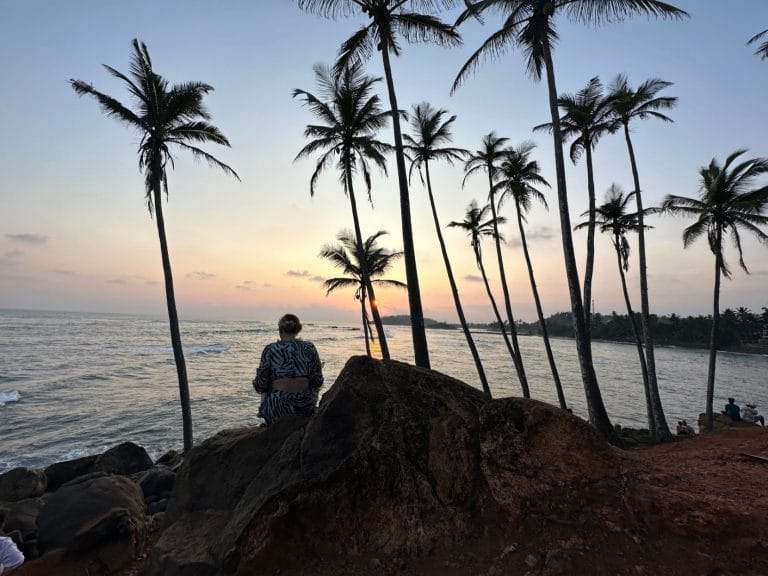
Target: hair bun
290,324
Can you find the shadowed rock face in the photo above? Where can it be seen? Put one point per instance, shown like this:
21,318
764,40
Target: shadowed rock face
399,462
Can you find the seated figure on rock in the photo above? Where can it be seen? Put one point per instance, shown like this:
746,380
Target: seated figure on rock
749,414
289,375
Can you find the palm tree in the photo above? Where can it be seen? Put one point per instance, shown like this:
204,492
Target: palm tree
613,218
629,104
530,25
586,117
166,116
762,50
519,177
388,20
376,261
486,160
477,225
351,116
431,131
727,203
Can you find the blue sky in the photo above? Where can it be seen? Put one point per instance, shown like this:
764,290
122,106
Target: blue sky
75,232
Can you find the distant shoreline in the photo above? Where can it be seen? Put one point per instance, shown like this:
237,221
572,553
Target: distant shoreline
430,324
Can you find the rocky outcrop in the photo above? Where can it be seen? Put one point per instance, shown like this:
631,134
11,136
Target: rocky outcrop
100,514
21,518
721,422
62,472
21,483
399,463
124,459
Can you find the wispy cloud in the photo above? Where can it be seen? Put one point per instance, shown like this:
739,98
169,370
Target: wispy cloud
534,235
11,258
27,238
119,281
201,275
151,282
63,272
298,273
317,279
473,278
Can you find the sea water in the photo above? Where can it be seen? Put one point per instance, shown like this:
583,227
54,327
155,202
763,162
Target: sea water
73,384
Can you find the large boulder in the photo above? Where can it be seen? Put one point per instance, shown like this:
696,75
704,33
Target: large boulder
62,472
721,422
157,482
21,483
399,464
21,516
124,459
99,515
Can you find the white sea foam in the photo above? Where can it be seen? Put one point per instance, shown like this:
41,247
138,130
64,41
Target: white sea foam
7,397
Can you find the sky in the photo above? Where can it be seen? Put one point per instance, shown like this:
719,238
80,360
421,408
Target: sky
75,232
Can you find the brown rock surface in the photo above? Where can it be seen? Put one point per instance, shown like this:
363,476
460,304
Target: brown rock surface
21,483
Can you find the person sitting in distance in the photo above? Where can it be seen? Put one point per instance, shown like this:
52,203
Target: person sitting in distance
749,414
732,410
684,429
289,375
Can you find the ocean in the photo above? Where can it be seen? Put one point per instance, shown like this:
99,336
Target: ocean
73,384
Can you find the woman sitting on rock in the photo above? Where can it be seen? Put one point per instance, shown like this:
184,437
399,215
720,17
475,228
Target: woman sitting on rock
289,375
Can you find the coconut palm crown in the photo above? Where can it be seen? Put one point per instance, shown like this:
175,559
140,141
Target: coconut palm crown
390,20
487,159
762,49
350,115
166,117
519,178
431,134
728,203
530,26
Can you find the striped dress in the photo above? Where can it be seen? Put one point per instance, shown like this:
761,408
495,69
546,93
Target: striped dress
288,359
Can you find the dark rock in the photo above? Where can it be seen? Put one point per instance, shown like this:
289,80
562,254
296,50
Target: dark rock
157,507
22,516
721,422
184,549
216,473
21,483
157,481
171,459
62,472
124,459
16,536
389,466
102,516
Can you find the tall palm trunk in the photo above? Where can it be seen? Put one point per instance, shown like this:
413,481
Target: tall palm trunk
661,431
454,289
496,313
517,358
364,318
597,413
638,339
363,264
418,332
173,321
590,268
713,334
540,312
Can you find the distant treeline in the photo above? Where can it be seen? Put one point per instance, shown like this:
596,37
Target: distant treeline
740,329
